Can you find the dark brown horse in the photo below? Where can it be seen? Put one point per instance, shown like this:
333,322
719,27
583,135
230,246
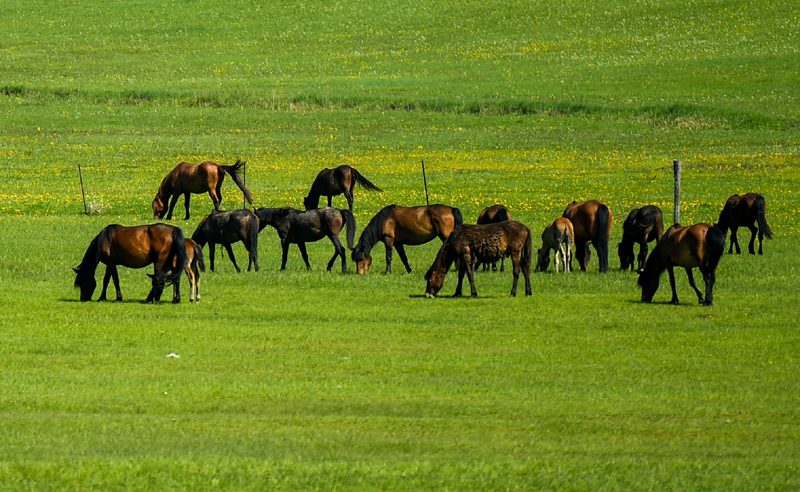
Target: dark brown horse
745,211
331,182
591,221
226,228
492,215
469,244
698,246
298,227
642,226
160,245
187,178
397,226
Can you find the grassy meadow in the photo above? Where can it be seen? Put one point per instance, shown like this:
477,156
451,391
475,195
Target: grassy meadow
318,380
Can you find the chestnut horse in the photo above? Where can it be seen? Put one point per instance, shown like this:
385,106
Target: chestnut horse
745,211
331,182
642,226
226,228
558,236
469,244
160,245
187,178
492,215
591,221
397,226
698,246
298,227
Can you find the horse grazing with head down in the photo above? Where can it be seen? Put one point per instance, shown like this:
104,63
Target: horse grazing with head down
642,226
160,245
591,221
698,246
492,215
558,236
226,228
745,211
187,178
397,226
470,244
331,182
298,227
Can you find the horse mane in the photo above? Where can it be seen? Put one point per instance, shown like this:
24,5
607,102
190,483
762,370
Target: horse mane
166,187
441,257
373,232
90,260
653,268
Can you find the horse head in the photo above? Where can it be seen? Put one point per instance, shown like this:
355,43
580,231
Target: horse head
86,283
362,258
626,256
159,209
309,202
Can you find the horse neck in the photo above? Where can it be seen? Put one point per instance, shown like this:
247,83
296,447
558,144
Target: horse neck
372,233
91,259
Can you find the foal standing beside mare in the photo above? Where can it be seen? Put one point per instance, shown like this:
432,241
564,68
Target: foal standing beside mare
642,226
558,236
591,221
492,215
331,182
226,228
745,211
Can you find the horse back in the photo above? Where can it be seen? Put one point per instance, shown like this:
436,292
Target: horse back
417,225
684,246
586,219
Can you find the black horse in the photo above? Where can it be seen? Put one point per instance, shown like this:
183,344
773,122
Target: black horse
331,182
642,226
226,228
298,227
745,211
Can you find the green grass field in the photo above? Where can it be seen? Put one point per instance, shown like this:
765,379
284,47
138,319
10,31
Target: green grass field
317,380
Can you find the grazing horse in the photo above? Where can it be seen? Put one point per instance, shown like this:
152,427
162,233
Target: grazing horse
194,266
298,227
558,236
331,182
745,210
226,228
134,247
698,246
591,221
492,215
470,244
397,226
187,178
642,226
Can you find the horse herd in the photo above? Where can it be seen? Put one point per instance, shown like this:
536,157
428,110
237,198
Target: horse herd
495,237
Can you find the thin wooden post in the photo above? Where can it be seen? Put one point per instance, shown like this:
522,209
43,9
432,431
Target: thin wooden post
83,192
677,167
425,181
244,180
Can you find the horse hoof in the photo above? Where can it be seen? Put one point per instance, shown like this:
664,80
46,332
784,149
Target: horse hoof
429,295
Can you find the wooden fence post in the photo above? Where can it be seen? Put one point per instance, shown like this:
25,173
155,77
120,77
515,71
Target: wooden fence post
425,181
677,167
83,193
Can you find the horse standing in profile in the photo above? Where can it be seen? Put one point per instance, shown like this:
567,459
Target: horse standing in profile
558,236
188,178
469,244
298,227
226,228
492,215
642,226
591,221
160,245
745,211
698,246
332,182
397,226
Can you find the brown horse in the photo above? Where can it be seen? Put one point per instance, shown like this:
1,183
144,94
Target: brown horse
160,245
226,228
642,226
331,182
558,236
698,246
194,266
591,221
492,215
469,244
187,178
745,211
396,226
298,227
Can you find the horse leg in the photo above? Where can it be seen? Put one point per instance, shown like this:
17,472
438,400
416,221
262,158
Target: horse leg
470,274
402,252
672,284
642,258
694,286
710,278
284,254
753,233
389,257
339,251
734,240
187,197
216,197
583,254
304,254
348,194
229,249
111,271
330,201
172,202
502,264
211,248
461,271
516,261
760,240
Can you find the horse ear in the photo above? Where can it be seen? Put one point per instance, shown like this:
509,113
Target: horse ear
76,270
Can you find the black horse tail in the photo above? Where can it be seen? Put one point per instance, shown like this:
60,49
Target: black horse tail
458,219
527,252
234,172
350,223
198,257
90,260
179,246
363,181
603,222
761,211
715,246
251,241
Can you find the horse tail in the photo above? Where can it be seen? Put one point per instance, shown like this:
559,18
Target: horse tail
527,252
252,235
715,246
363,181
350,223
761,211
90,260
603,222
458,219
179,246
234,172
198,257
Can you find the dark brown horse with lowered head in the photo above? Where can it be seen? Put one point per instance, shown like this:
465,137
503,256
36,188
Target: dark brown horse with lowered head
298,227
469,244
642,226
397,226
698,246
492,215
160,245
745,211
187,178
226,228
591,221
331,182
